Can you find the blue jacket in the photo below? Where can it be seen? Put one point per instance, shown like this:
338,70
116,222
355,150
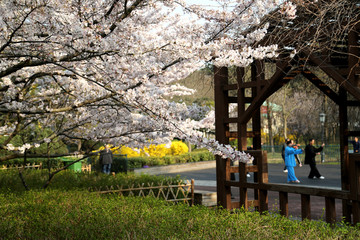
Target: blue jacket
290,156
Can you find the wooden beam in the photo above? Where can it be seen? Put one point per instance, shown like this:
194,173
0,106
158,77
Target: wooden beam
273,84
321,85
330,70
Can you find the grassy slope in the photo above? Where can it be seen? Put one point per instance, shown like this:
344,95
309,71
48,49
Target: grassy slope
81,215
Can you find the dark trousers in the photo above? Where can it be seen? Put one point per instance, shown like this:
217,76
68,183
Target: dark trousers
314,172
283,157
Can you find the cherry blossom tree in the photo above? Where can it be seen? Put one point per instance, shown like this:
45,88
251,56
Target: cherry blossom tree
106,70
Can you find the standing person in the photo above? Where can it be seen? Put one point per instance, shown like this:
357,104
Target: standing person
356,144
296,146
283,153
106,159
310,154
290,162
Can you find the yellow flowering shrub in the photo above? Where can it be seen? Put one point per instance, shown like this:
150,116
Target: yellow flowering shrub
128,151
178,147
156,150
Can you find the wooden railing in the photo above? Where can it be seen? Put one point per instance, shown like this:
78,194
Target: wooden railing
17,166
183,192
261,186
84,168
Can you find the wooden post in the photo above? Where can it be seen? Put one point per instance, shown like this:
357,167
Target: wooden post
222,112
305,207
330,210
263,178
344,151
257,74
241,126
284,207
243,190
354,176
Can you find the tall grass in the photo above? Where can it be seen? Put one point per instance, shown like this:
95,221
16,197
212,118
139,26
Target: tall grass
69,180
56,214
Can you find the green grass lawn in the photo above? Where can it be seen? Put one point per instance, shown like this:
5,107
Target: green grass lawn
78,214
67,210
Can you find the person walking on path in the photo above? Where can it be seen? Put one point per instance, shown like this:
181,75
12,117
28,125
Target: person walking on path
283,153
106,159
290,162
310,154
356,144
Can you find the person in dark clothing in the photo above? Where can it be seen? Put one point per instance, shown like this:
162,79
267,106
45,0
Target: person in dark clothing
356,144
283,153
310,154
106,159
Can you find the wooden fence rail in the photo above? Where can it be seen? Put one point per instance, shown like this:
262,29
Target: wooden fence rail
169,192
261,187
16,166
84,168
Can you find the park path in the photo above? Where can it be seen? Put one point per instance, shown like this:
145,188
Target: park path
205,179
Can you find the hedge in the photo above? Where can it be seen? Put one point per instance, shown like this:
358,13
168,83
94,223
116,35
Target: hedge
122,163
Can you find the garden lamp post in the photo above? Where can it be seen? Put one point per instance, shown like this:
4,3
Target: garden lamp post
322,121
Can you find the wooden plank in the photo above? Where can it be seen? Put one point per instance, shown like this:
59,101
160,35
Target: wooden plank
297,189
284,206
192,191
305,207
230,120
249,134
253,203
228,87
330,210
353,103
232,99
252,84
248,168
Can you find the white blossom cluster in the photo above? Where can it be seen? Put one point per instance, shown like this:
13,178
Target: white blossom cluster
106,70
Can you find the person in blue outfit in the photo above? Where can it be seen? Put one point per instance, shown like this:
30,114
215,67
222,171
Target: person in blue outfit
290,162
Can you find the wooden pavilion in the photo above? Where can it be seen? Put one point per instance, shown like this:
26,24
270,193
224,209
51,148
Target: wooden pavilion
338,57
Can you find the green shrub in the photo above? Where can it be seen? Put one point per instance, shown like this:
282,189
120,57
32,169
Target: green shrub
195,156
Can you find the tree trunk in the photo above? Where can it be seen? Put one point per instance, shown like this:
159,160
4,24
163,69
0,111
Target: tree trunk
271,140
